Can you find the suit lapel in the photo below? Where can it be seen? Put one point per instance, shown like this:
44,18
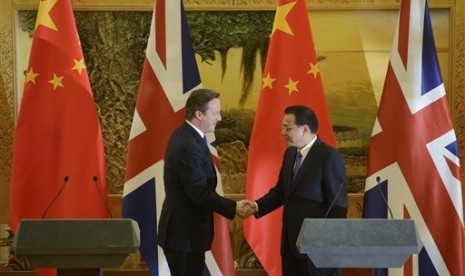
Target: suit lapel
204,148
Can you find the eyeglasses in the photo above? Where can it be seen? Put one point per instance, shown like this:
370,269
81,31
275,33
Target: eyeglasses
288,128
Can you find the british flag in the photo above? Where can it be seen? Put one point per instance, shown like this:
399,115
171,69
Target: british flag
169,74
413,159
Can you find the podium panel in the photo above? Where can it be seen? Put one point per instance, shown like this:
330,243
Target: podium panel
76,243
358,243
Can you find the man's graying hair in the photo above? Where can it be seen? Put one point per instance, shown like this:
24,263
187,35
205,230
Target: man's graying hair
198,101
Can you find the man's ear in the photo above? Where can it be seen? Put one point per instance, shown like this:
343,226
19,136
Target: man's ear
307,129
198,114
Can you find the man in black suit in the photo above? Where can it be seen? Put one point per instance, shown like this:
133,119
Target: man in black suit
185,228
317,190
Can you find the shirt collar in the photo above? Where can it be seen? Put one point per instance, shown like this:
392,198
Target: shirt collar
196,129
306,149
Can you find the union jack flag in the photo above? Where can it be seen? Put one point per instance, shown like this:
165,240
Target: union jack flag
169,74
413,157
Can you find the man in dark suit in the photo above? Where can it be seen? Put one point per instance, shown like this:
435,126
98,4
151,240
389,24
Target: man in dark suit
185,228
317,190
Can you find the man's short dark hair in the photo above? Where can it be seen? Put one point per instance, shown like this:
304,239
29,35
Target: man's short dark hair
303,116
198,101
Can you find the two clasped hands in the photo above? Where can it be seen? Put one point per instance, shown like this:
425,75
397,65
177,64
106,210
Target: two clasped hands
245,208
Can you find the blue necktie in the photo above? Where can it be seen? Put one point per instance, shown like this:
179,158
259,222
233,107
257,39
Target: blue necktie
207,149
209,156
205,140
297,163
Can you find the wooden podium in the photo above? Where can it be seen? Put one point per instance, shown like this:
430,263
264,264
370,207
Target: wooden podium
76,246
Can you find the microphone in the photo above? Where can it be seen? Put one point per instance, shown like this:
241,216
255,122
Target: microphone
94,178
65,180
378,180
341,184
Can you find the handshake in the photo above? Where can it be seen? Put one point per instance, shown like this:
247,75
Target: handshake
245,208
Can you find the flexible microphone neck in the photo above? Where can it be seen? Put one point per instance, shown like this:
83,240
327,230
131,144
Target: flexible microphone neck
378,180
341,184
65,180
95,179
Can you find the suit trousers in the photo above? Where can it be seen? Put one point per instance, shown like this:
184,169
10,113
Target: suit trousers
302,266
185,263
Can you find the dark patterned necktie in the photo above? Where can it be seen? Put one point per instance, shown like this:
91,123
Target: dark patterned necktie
297,163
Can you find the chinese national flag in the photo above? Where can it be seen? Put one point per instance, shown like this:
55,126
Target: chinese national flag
291,77
58,164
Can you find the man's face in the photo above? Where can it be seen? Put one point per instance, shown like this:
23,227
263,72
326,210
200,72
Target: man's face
211,117
292,133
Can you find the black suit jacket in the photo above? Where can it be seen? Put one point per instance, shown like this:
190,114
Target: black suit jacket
186,220
320,178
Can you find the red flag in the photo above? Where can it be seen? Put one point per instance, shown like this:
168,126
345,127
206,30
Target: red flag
169,75
58,164
291,76
413,149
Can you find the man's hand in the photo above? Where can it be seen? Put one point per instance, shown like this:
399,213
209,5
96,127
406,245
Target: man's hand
245,208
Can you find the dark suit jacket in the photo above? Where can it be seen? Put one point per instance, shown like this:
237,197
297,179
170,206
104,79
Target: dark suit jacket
186,220
321,176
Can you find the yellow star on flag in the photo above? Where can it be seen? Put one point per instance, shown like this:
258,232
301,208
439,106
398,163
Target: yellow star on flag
280,22
314,69
79,65
43,15
292,86
268,81
31,76
56,81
